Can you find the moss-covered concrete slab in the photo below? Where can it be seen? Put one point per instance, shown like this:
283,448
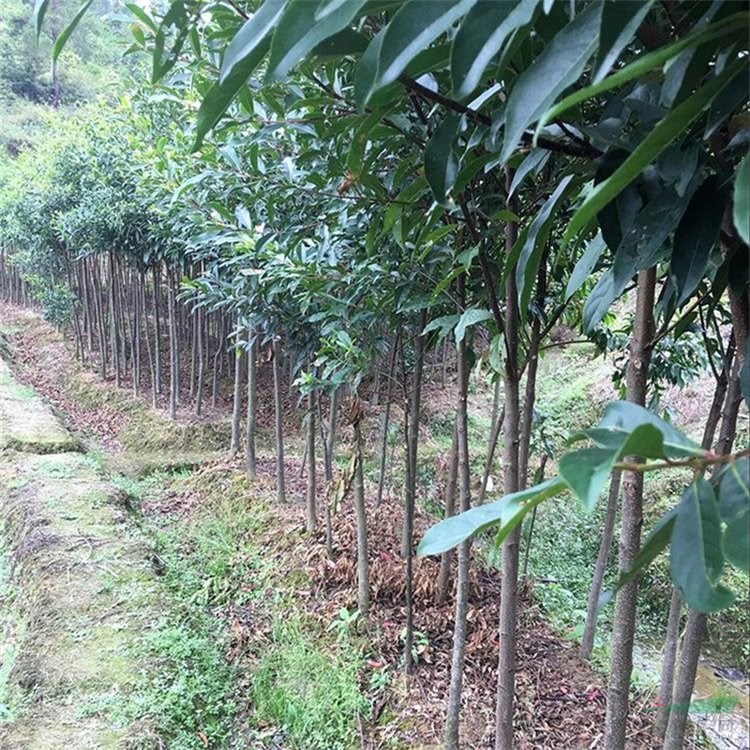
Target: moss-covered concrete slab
84,592
26,422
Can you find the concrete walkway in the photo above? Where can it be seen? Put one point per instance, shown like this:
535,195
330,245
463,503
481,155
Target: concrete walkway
76,587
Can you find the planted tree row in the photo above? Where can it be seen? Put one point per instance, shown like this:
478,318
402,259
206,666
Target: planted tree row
364,180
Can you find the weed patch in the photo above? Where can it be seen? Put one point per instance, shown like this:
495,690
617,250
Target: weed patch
312,694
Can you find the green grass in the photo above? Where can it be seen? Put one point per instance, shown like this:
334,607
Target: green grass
189,691
309,691
307,681
11,635
189,694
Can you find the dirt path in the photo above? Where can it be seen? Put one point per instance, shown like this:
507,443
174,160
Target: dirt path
76,586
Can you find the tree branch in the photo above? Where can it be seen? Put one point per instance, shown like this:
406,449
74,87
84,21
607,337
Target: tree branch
580,150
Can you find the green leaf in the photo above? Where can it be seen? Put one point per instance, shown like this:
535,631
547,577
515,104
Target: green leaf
359,141
142,16
642,65
367,68
64,35
661,136
534,244
444,325
345,42
532,163
508,512
298,32
221,94
469,318
327,7
585,265
734,495
40,10
175,18
737,542
696,559
620,21
741,213
645,242
643,245
696,236
560,64
251,36
512,258
586,472
599,301
413,28
481,35
624,416
734,507
684,73
729,100
441,159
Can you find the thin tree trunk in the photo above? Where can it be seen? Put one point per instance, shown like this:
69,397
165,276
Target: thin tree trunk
517,444
149,348
363,563
330,443
312,511
123,317
530,535
174,374
113,334
410,495
453,710
732,402
279,422
498,415
696,622
102,325
529,401
217,359
193,326
600,568
666,685
252,401
136,333
689,656
623,628
234,445
157,331
200,323
672,636
386,421
89,307
506,671
446,559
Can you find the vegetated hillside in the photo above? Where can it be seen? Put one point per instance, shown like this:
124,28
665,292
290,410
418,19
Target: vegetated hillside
282,649
32,89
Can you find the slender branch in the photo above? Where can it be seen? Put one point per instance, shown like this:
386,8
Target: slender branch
564,343
239,10
668,329
486,270
588,151
704,335
385,120
698,463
